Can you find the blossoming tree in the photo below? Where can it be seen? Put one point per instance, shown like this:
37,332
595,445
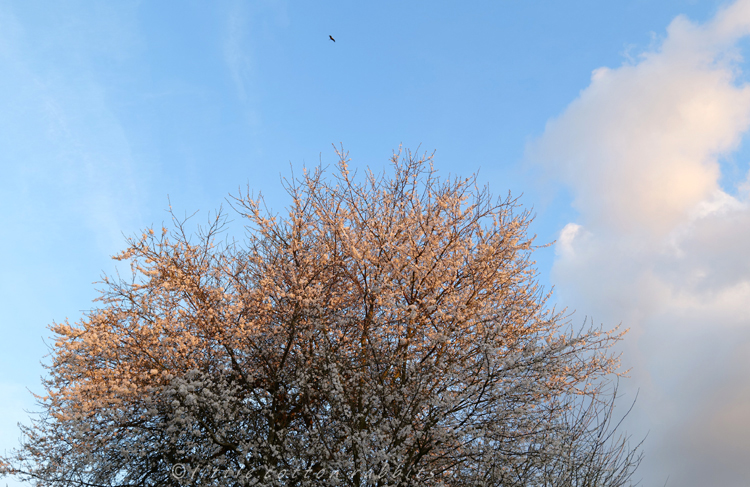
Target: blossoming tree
386,332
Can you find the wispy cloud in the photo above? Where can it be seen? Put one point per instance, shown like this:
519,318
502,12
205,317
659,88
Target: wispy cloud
245,30
63,145
70,182
236,51
660,246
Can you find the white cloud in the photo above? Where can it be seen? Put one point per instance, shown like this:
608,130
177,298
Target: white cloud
565,242
640,145
660,246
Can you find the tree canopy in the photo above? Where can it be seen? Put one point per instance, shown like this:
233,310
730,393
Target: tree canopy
384,332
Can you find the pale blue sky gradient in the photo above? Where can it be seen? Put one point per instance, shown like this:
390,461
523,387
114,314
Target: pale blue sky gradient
109,108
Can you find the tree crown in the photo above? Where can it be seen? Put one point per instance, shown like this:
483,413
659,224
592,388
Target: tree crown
390,326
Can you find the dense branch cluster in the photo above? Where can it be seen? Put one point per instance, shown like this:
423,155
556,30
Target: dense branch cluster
388,332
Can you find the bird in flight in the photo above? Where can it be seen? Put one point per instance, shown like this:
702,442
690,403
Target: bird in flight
331,37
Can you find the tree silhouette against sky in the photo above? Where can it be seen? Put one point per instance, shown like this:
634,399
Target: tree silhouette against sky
384,332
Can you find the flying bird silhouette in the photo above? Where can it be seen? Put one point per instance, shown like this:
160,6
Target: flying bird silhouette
331,37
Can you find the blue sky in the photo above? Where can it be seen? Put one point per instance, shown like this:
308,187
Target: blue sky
638,170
